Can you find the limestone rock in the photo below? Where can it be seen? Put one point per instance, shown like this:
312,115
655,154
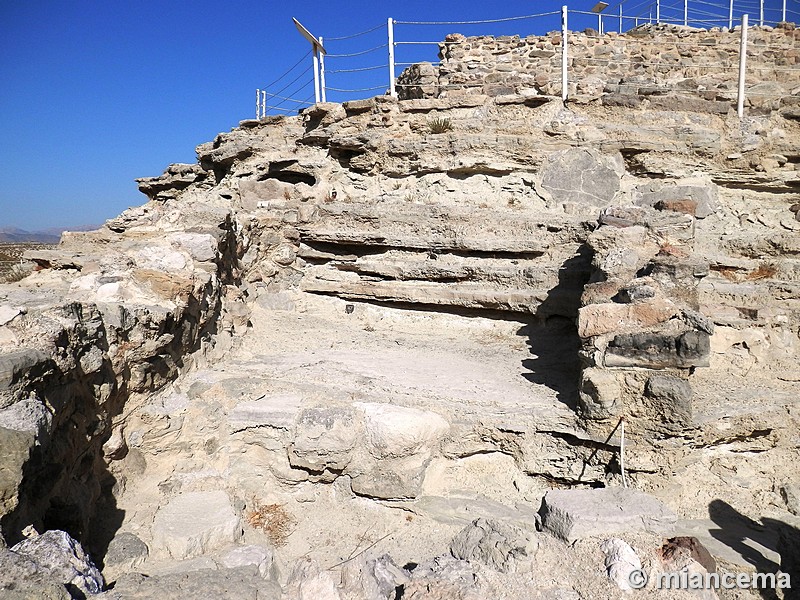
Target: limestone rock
670,398
241,583
620,562
63,559
252,554
21,578
600,394
496,544
324,439
194,523
582,175
576,514
307,581
659,350
397,431
372,579
598,319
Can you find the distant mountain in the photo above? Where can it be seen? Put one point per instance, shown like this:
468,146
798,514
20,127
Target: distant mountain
14,235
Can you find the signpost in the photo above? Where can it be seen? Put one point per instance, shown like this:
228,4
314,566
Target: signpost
318,48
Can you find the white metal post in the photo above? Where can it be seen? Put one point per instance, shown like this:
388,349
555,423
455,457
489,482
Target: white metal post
742,67
658,11
390,30
730,16
258,100
263,103
322,71
783,14
761,13
600,23
316,75
685,13
564,53
620,18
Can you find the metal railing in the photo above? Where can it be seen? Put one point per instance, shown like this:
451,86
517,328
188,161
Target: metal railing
364,64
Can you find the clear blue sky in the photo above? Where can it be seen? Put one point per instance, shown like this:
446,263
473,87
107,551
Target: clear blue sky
97,93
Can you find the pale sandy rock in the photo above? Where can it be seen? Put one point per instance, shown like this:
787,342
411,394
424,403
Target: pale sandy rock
200,246
308,581
620,562
194,523
600,393
324,439
278,411
8,313
252,554
389,478
29,415
396,431
160,259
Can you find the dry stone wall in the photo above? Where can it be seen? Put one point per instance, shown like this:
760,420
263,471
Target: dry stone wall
648,61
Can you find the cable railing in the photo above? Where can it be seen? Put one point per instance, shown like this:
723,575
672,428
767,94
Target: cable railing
364,64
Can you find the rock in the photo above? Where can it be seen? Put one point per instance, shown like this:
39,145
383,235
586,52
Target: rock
443,578
252,554
582,175
620,562
308,581
273,411
597,319
705,197
575,514
15,448
678,550
397,431
28,415
195,523
63,559
670,398
8,313
324,439
241,583
496,544
389,478
791,496
125,553
200,246
659,350
686,206
21,578
14,365
600,394
372,579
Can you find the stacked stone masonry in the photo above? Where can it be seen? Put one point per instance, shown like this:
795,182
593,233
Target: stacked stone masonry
648,62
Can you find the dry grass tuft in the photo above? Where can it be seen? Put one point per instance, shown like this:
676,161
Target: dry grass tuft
764,271
272,519
440,125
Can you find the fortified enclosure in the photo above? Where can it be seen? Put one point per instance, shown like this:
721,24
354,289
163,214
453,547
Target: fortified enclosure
472,343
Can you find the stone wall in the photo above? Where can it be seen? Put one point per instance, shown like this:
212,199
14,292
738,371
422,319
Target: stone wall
647,61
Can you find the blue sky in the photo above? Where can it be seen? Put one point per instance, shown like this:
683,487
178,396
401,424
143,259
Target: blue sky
97,93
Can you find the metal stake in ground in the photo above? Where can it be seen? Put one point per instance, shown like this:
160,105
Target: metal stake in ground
317,47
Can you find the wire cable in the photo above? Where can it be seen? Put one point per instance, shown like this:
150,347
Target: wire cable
359,69
386,45
355,35
283,89
370,89
293,67
546,14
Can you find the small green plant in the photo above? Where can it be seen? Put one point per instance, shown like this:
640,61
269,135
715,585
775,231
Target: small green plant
440,125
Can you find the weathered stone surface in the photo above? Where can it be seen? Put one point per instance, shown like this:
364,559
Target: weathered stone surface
63,559
14,365
656,350
600,394
620,562
670,398
28,415
125,553
373,579
275,411
308,581
194,523
21,578
252,554
397,431
583,176
324,439
15,448
496,544
575,514
390,478
241,583
597,319
669,196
